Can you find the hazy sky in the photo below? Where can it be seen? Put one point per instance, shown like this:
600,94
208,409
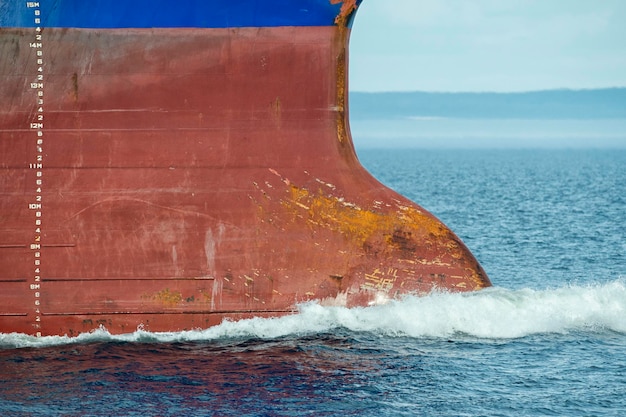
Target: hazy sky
488,45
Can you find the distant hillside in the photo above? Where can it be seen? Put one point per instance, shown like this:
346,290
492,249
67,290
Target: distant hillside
549,104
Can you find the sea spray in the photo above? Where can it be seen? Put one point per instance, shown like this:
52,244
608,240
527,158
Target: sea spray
494,313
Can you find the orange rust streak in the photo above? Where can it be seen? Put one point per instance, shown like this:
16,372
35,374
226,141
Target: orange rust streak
360,223
347,8
405,229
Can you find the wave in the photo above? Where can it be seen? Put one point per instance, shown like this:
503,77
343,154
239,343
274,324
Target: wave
494,313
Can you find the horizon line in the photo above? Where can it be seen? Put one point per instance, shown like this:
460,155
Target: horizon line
561,89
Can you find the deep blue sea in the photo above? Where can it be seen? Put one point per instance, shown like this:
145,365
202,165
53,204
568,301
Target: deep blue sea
549,339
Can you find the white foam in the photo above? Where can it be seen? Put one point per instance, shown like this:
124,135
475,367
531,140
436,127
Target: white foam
493,313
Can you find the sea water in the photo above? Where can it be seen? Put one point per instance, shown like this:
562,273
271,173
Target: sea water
549,227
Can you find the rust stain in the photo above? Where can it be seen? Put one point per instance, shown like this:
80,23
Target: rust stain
406,234
400,228
75,86
342,130
276,111
167,297
341,42
347,7
340,48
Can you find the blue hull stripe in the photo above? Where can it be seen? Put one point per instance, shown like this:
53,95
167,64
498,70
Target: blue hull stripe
109,14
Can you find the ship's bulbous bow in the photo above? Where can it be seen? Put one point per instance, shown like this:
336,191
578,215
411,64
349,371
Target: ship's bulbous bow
366,243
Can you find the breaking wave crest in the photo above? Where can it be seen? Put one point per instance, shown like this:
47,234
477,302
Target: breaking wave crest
494,313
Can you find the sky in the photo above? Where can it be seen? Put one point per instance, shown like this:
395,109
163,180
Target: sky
488,45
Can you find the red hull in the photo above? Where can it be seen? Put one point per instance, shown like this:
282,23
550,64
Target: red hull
177,177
